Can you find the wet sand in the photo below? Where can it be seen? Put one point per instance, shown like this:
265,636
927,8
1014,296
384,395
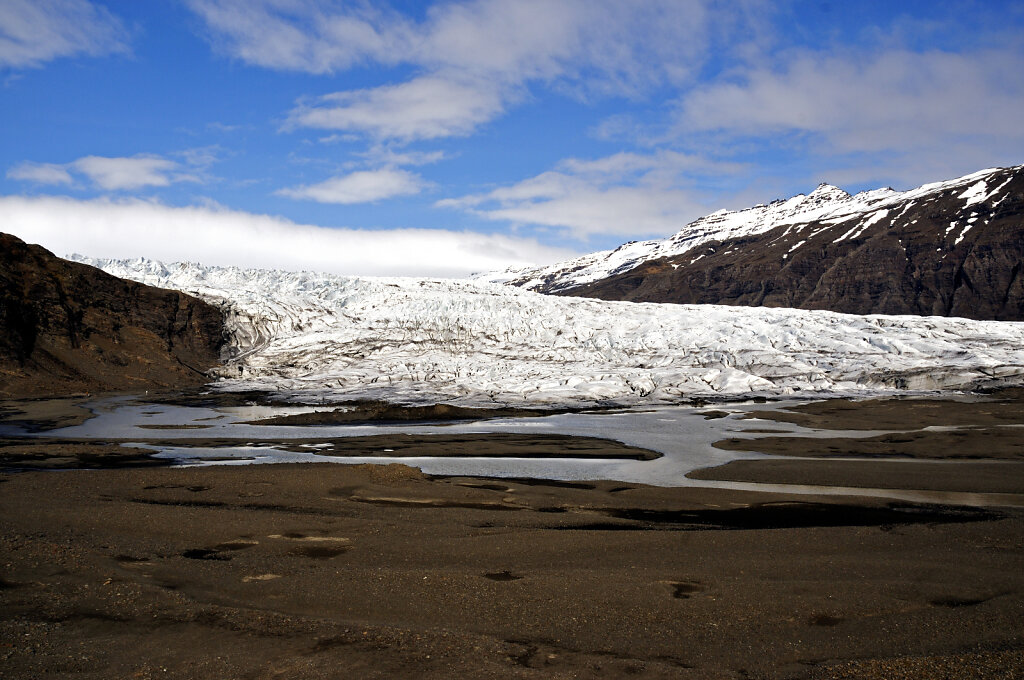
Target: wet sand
51,453
325,570
38,415
1001,407
999,443
968,476
382,413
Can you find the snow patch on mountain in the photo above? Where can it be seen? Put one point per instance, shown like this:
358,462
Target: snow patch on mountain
826,204
320,336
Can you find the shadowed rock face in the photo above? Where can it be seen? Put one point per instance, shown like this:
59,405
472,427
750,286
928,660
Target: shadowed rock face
68,327
935,256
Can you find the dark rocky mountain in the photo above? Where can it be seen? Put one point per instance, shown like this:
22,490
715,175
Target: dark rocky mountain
950,249
67,327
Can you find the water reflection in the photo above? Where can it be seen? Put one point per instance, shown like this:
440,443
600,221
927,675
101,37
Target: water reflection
682,434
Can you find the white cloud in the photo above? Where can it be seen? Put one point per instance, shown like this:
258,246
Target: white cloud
662,166
389,157
214,235
217,126
201,157
891,101
472,59
303,35
625,194
40,173
557,200
133,172
594,45
624,44
423,108
364,186
119,172
33,32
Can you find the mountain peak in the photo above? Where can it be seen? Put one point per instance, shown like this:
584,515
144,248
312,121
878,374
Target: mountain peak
828,192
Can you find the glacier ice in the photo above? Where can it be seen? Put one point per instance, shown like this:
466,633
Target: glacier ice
327,337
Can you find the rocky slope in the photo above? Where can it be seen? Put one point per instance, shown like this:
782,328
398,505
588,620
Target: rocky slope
952,248
67,327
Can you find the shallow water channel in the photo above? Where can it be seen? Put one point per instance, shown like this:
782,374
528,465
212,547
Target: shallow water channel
682,434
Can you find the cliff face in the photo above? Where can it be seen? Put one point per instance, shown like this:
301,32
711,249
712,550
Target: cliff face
949,253
66,327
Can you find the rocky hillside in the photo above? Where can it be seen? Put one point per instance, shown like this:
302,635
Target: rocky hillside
953,248
67,327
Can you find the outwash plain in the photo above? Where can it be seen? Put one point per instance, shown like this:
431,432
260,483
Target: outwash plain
142,570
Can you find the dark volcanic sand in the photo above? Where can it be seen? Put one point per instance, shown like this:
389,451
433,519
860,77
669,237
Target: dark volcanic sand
359,571
324,571
978,477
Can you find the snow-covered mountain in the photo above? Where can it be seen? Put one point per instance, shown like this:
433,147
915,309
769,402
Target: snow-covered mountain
334,337
718,226
792,244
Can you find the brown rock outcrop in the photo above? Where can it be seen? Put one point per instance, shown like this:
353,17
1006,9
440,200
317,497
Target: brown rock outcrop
67,327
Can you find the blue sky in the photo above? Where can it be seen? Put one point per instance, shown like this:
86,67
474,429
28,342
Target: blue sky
449,137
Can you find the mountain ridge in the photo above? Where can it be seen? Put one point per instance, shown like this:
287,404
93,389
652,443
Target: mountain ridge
808,252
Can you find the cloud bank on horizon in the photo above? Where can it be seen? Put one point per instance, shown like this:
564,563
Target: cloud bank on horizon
456,136
215,235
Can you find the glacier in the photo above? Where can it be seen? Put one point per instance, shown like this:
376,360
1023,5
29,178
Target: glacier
325,338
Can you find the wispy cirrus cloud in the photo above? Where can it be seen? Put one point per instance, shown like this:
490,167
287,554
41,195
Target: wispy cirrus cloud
304,35
41,173
626,194
610,44
387,156
211,234
906,113
471,60
33,32
428,107
362,186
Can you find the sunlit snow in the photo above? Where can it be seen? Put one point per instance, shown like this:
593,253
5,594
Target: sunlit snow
828,205
335,337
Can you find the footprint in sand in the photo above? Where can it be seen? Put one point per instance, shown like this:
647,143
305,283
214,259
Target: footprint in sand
315,547
214,553
255,578
205,554
505,575
826,620
683,590
236,544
